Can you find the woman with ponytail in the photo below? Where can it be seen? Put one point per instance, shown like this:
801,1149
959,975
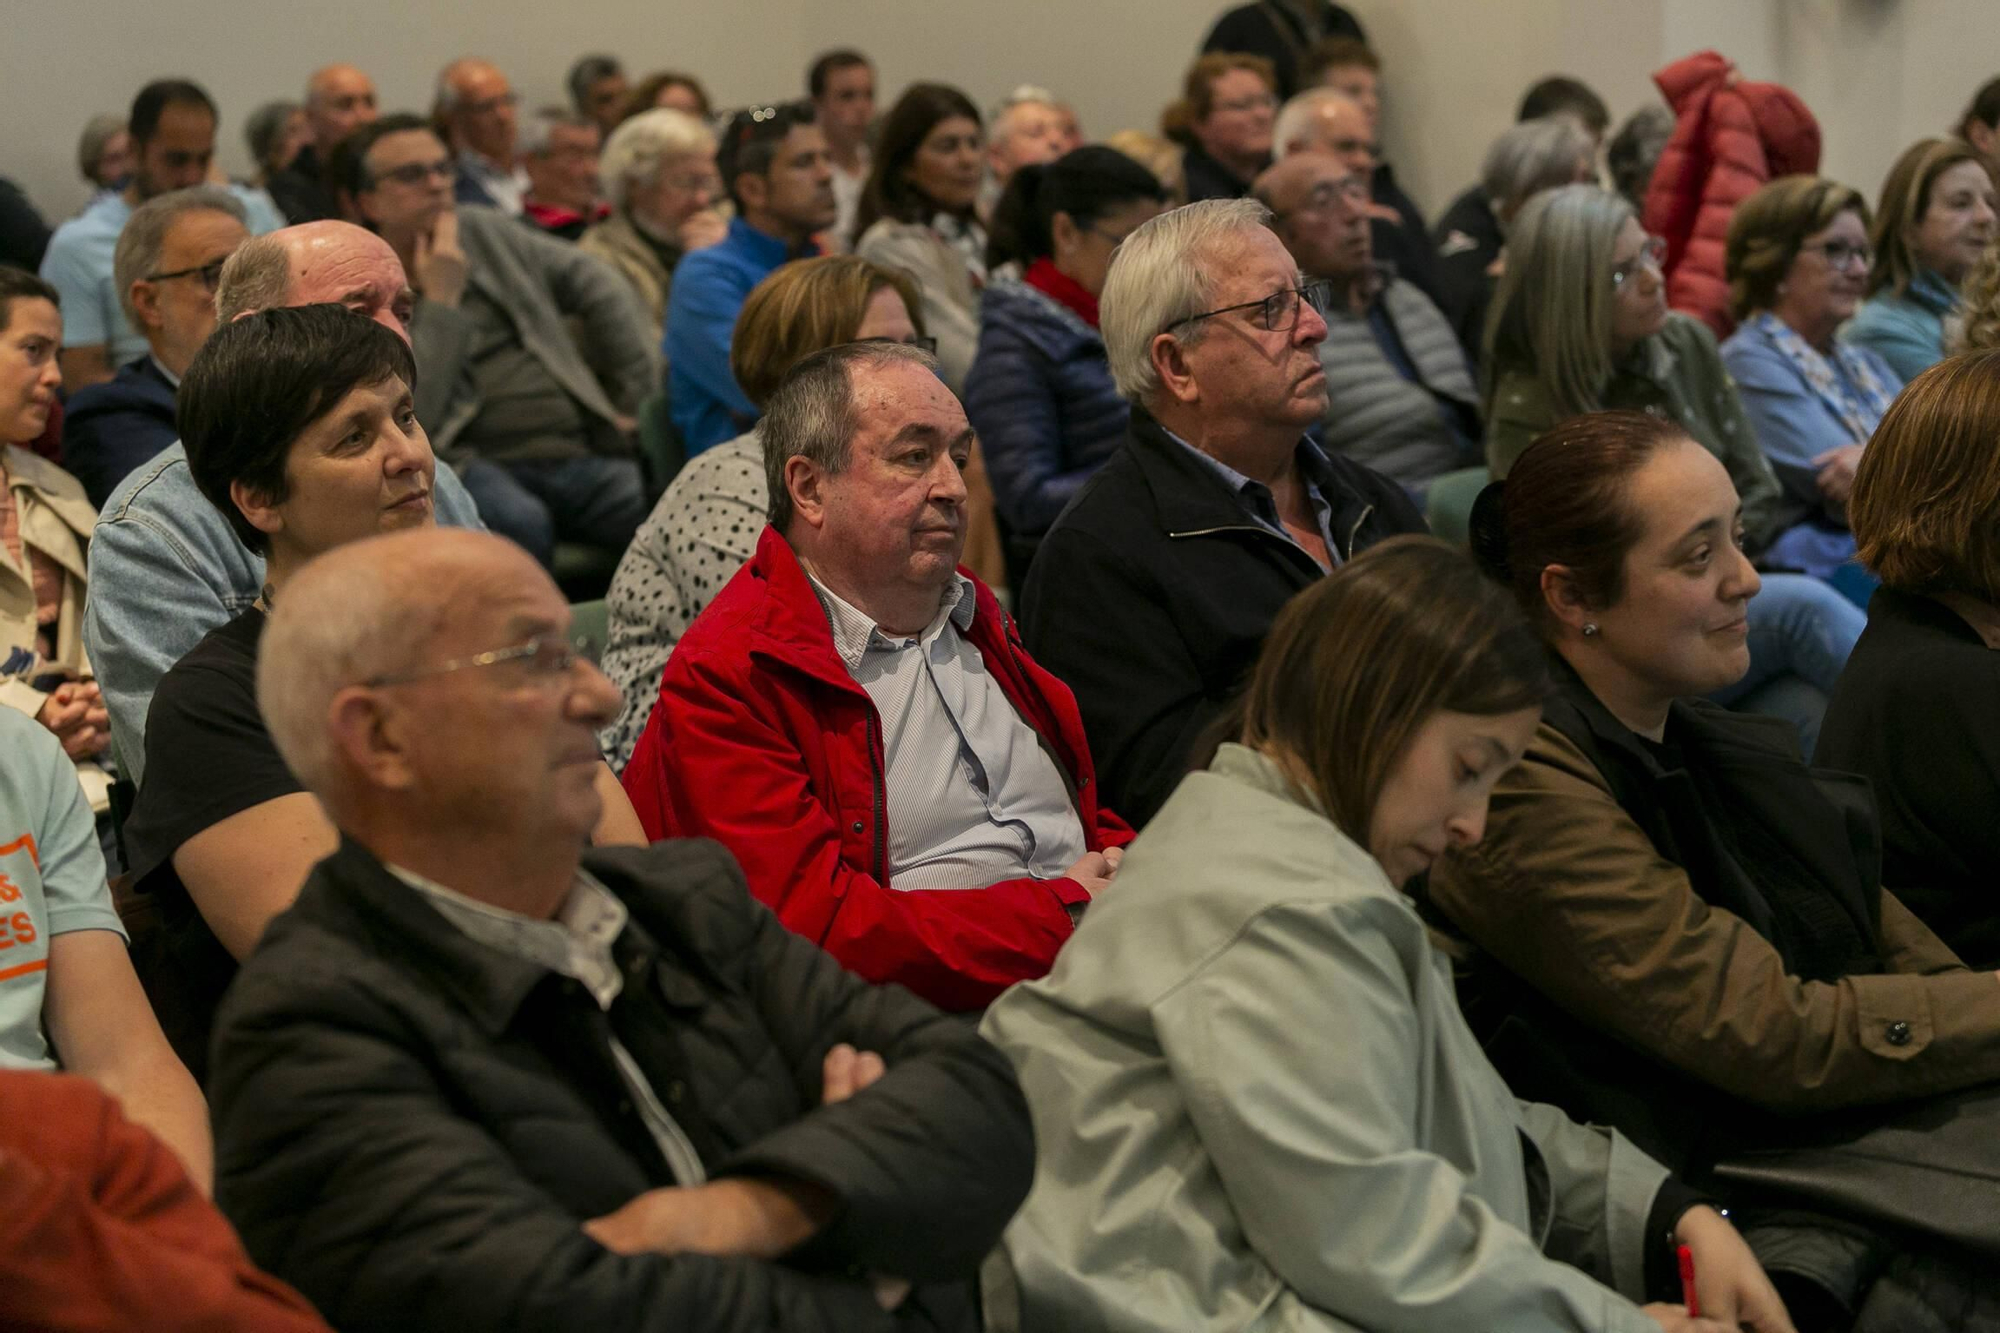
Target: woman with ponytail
1040,392
1680,928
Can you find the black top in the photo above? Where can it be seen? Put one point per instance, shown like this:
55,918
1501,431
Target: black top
24,237
301,191
208,756
1272,30
1468,241
1917,712
410,1126
114,427
1207,178
1151,596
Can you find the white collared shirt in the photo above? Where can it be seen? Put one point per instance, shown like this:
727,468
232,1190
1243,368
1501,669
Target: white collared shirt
973,796
576,944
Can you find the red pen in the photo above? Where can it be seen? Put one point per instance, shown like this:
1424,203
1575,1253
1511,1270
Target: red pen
1687,1282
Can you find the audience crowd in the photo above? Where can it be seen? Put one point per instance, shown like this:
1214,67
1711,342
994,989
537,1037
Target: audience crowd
861,714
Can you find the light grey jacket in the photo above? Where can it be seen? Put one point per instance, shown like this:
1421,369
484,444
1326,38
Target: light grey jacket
951,296
1374,415
572,311
1257,1107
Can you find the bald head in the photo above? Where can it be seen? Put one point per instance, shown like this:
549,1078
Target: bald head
1318,209
1322,120
476,102
367,610
314,262
340,99
421,685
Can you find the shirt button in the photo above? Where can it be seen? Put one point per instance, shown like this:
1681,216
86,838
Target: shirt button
1898,1033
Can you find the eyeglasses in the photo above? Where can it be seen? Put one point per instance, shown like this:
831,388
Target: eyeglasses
210,274
1350,192
545,657
1651,255
488,105
693,182
416,173
925,345
1842,254
1262,102
1278,312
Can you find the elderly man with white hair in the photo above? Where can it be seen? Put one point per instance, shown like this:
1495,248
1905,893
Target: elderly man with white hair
1151,595
658,173
1029,127
480,1077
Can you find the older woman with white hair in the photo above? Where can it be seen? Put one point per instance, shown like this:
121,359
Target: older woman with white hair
1580,324
1530,157
659,176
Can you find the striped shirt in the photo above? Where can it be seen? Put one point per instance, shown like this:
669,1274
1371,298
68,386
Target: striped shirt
974,797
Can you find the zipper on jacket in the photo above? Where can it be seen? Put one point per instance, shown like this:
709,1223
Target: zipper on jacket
1355,531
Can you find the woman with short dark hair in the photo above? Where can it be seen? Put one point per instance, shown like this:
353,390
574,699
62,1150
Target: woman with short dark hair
1040,392
1256,1102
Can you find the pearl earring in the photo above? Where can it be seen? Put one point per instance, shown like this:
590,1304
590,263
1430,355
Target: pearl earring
1589,631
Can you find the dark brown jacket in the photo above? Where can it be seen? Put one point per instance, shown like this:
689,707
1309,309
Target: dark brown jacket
1609,977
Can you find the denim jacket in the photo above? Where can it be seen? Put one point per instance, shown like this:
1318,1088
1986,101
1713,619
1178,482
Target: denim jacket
1906,330
165,569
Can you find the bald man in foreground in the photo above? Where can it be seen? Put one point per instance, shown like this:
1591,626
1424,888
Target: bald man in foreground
481,1077
164,567
339,100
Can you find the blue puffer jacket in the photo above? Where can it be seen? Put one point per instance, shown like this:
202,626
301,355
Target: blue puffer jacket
1040,396
114,427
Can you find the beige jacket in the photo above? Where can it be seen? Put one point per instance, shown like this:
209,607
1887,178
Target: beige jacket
56,520
618,243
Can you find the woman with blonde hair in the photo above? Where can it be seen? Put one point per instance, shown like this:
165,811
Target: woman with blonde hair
706,525
1796,259
1255,1100
1580,324
1224,120
1981,329
1934,221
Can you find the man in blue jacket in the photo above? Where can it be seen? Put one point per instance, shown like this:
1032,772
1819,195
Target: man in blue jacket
166,267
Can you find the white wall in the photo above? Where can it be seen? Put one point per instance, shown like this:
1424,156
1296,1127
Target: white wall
1879,73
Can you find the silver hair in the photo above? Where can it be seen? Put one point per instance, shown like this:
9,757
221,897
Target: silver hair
145,234
1158,278
1023,95
257,277
542,122
97,132
1533,156
1294,125
812,414
635,150
265,127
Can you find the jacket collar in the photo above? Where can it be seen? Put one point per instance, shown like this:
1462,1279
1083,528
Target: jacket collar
1192,496
1933,293
1579,714
765,249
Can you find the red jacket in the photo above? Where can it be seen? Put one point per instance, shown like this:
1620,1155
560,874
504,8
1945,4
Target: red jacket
101,1229
763,741
1730,138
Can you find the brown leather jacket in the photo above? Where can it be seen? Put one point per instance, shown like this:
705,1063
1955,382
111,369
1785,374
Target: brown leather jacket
1570,894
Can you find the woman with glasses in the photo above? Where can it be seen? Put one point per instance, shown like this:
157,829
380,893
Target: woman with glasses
1938,213
1040,392
707,524
1580,324
1224,119
918,214
659,176
1797,260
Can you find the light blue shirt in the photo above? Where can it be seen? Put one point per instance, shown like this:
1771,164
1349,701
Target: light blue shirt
1258,501
78,266
165,569
1907,331
51,879
974,797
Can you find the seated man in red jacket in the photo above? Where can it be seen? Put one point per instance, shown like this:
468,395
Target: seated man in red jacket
855,718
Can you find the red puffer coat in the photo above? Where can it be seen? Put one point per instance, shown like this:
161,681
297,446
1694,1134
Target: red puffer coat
763,741
1730,137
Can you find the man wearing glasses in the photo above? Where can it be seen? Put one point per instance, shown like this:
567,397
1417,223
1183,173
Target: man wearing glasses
173,144
166,268
554,413
1151,595
300,426
775,165
482,1076
1400,397
476,108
